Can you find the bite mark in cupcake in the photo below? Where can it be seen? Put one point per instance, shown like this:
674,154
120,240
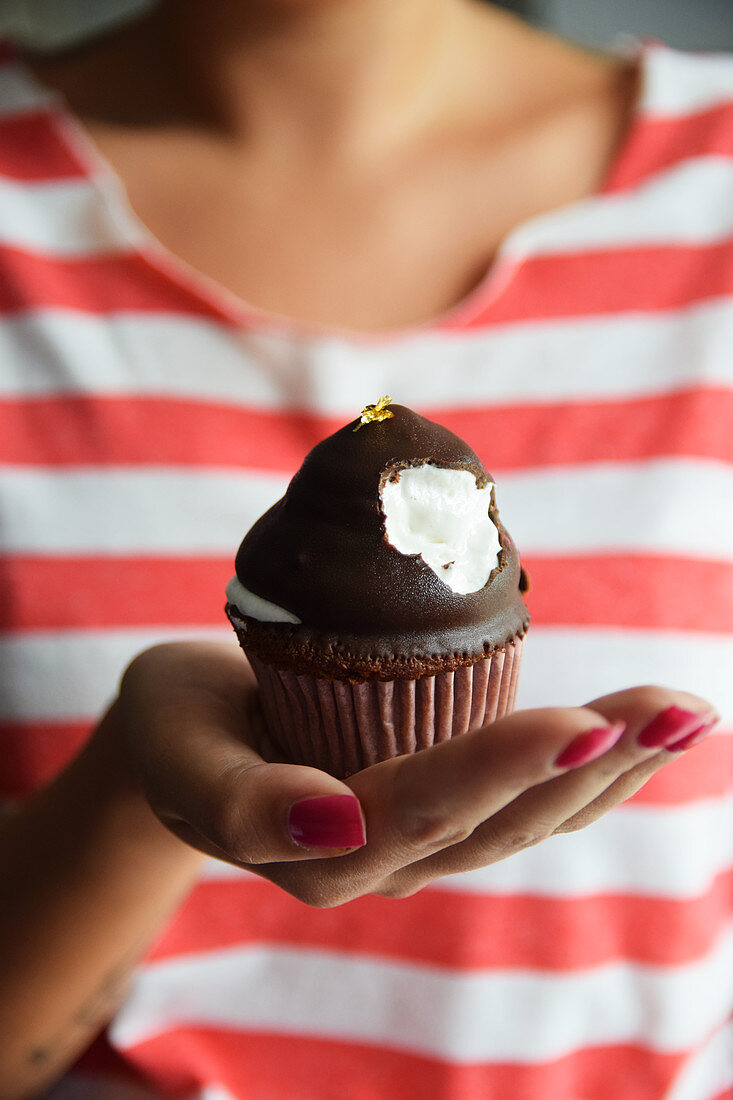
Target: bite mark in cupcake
442,515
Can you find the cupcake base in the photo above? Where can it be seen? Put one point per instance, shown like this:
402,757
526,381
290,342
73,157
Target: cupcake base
342,727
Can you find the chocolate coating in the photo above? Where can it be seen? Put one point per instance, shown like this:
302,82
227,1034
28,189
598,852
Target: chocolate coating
366,609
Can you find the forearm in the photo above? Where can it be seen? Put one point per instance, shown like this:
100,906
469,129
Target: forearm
87,877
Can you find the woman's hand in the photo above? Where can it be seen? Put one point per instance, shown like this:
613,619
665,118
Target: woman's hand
189,716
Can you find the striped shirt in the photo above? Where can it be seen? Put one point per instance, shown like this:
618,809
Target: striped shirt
149,417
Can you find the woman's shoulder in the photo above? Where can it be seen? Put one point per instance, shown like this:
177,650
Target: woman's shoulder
682,132
682,83
32,148
20,95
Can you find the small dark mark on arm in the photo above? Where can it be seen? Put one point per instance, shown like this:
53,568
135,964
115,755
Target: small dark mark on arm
91,1015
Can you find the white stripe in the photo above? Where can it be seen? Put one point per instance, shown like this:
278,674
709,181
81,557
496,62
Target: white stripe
679,83
618,854
74,676
569,667
710,1070
65,218
461,1017
132,511
68,352
686,205
627,355
678,506
19,92
70,675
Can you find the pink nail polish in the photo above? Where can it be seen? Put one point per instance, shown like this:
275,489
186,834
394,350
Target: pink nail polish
694,737
669,726
589,745
332,821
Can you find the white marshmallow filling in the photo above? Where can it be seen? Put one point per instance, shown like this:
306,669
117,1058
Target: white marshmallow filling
443,516
255,607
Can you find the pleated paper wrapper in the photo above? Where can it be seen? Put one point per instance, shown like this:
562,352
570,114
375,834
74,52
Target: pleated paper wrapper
341,727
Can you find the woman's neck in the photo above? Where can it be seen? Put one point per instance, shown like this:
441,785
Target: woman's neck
325,75
294,79
340,74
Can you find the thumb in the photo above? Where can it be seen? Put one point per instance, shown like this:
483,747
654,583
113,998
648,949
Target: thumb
190,723
259,813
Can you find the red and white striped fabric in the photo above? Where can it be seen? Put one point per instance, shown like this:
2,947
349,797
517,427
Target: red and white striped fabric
149,417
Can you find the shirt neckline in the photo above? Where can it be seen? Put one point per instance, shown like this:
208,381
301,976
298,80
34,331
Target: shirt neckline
230,308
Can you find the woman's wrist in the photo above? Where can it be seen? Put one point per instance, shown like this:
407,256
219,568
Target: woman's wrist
106,772
97,805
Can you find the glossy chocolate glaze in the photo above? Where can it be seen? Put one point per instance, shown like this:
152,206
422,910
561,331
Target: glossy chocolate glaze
366,609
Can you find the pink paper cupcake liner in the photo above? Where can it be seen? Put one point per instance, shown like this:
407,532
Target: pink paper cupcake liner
341,727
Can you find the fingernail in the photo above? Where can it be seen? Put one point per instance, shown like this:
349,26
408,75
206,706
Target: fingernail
333,821
671,725
589,745
694,737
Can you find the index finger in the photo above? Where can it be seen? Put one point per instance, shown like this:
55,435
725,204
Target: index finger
416,805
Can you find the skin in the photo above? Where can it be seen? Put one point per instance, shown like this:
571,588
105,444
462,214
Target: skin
327,130
306,123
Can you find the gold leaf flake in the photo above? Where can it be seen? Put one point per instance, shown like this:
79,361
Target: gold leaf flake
376,412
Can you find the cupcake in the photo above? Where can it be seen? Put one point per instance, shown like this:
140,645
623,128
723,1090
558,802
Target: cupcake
380,600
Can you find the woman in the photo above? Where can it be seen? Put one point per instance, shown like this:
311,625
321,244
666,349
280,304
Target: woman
327,200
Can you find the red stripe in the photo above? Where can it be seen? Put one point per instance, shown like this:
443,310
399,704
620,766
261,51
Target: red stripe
281,1067
705,772
629,591
32,149
638,280
634,591
85,592
543,287
94,431
33,752
77,431
464,932
659,143
124,281
688,422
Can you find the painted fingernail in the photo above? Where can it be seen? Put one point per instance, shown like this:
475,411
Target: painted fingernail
589,745
332,821
694,737
671,725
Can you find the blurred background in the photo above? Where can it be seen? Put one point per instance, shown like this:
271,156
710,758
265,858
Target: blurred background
694,24
691,24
